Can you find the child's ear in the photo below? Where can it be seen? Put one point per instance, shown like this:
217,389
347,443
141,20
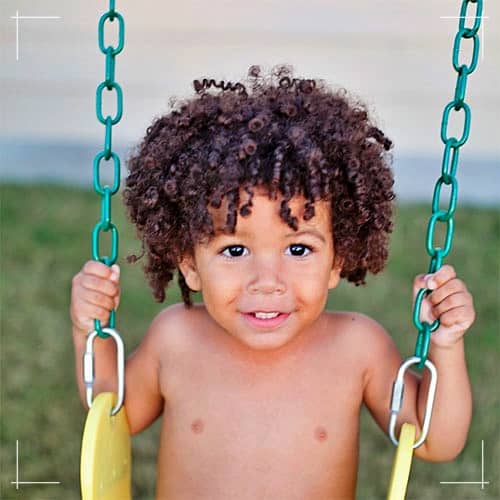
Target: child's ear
334,279
188,268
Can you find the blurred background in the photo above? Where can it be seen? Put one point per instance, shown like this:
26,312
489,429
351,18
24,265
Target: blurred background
396,56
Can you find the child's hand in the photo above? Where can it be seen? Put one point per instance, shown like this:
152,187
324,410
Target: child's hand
449,301
95,292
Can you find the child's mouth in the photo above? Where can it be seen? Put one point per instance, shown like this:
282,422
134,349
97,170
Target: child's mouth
266,320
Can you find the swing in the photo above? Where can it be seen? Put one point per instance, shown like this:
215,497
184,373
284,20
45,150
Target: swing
105,457
105,463
105,468
406,445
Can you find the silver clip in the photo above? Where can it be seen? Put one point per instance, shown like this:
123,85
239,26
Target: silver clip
88,367
397,399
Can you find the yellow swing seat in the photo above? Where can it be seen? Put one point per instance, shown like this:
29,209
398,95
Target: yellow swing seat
402,463
105,465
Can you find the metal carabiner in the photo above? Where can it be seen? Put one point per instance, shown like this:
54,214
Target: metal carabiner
397,399
88,367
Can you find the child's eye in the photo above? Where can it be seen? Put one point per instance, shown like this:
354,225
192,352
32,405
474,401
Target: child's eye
235,251
298,250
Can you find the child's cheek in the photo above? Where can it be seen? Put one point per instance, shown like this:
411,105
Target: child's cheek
226,275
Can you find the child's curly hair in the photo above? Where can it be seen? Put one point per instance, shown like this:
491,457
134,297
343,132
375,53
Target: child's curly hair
296,137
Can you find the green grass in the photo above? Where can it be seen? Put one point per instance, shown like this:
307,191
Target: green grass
45,239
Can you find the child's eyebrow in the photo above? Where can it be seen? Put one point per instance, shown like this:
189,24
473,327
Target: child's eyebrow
219,233
310,232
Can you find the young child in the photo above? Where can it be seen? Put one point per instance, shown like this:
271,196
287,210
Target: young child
263,201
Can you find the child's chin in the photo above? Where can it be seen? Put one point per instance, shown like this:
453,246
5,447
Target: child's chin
265,341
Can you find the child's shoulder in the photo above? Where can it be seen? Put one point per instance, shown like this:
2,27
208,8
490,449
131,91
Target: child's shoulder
179,323
361,343
177,312
357,331
350,322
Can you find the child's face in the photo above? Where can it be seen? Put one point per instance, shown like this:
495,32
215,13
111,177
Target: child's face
265,266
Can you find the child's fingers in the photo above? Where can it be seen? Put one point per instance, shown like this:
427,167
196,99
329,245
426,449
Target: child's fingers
453,301
95,292
440,277
451,287
115,273
115,278
426,309
94,311
418,283
95,283
97,268
462,316
448,295
81,295
99,299
83,314
96,276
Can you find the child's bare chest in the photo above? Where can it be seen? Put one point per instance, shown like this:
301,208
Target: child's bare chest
230,432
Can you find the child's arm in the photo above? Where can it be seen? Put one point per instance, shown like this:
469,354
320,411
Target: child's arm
95,291
451,303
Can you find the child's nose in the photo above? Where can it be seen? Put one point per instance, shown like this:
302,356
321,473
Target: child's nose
267,277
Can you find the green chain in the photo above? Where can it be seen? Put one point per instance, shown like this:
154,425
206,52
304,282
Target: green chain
452,147
106,192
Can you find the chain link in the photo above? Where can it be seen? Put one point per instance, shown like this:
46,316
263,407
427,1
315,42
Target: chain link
106,192
460,36
448,169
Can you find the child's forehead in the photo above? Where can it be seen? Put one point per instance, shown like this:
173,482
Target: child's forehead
263,205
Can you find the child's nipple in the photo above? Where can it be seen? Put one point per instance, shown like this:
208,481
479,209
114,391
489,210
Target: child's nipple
197,426
321,434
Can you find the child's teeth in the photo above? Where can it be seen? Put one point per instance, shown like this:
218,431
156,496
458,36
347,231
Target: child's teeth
263,315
